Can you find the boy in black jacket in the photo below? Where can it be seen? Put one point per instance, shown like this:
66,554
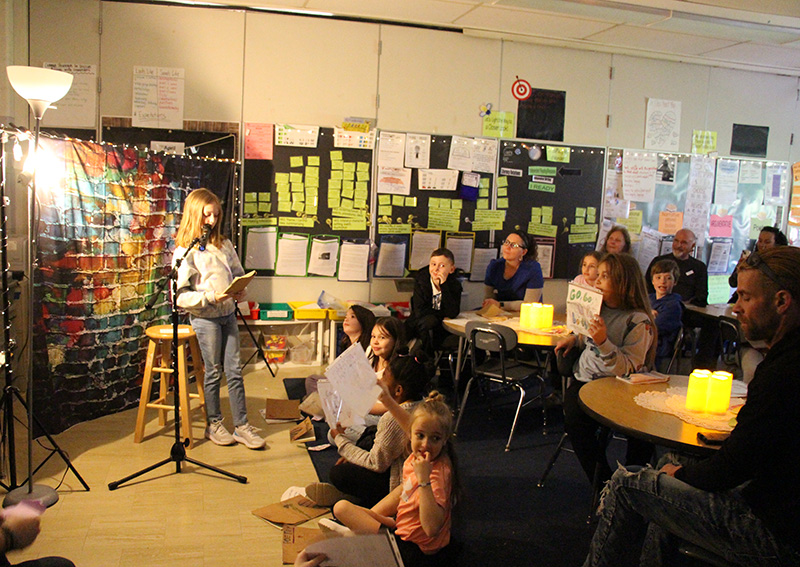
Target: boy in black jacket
437,294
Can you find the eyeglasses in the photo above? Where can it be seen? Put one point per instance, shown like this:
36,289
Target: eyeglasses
756,261
513,245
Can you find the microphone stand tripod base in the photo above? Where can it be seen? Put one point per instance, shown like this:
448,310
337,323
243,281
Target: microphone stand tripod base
42,494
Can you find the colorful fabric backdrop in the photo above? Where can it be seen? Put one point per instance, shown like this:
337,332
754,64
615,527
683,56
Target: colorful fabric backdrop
108,218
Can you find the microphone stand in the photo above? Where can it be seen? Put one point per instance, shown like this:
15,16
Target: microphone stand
178,451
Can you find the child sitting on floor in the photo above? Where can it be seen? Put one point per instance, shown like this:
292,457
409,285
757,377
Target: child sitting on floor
419,510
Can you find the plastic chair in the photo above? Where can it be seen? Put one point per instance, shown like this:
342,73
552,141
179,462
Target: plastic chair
502,369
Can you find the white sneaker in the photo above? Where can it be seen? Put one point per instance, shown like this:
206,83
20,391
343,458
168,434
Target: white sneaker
246,434
334,527
218,435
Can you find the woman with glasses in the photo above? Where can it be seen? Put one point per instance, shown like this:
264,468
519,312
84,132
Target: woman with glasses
516,276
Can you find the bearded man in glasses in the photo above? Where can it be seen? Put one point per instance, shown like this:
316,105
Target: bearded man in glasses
743,502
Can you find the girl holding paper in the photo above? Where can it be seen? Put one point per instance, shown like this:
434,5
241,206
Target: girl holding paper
204,275
621,340
370,474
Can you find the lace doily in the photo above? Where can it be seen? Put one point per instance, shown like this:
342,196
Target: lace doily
673,401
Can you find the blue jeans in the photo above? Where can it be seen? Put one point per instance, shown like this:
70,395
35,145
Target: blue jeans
219,343
645,505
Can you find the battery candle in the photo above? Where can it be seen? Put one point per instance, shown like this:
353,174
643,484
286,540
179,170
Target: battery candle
697,393
719,392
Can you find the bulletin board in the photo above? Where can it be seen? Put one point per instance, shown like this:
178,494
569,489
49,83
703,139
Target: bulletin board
428,209
329,189
554,193
758,191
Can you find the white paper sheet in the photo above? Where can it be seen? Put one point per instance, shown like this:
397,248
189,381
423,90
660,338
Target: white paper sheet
261,245
353,260
663,125
583,304
391,260
78,108
480,261
391,149
638,176
422,244
750,172
460,157
484,155
720,256
437,179
418,150
157,97
648,247
462,251
334,408
545,254
394,180
292,254
323,257
354,379
727,181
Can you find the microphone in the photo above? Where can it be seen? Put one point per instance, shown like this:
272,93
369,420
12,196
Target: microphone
204,237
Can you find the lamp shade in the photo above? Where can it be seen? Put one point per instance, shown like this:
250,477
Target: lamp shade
40,87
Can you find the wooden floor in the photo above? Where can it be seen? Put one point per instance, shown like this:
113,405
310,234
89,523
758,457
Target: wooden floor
195,518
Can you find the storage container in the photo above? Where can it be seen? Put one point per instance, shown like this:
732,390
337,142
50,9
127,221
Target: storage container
311,313
275,312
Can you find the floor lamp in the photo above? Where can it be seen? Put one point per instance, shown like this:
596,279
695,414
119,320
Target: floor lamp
40,87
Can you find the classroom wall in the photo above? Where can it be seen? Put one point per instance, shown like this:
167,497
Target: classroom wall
248,66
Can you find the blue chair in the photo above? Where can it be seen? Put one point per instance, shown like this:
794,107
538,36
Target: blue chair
503,368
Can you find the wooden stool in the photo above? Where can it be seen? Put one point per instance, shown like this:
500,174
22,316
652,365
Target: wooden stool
159,360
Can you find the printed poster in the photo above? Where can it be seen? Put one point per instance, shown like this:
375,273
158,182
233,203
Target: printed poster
638,176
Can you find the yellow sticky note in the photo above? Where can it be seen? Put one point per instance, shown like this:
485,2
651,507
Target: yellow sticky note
350,185
348,192
336,155
264,207
282,187
285,207
362,175
385,210
311,209
580,212
336,174
312,182
484,183
502,203
284,197
298,206
411,201
251,208
502,191
349,175
295,177
482,204
250,197
297,187
350,166
456,204
264,196
334,184
384,199
347,203
296,161
281,178
313,160
398,200
363,166
502,181
312,172
484,192
359,203
362,186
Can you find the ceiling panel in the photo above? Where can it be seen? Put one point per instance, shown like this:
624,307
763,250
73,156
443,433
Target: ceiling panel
769,55
758,34
659,41
642,16
531,23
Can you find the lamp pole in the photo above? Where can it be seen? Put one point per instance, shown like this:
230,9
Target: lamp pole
40,88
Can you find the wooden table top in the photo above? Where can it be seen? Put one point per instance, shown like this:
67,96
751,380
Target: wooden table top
524,336
715,310
611,402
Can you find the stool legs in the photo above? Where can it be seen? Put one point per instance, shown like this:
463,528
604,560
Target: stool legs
159,362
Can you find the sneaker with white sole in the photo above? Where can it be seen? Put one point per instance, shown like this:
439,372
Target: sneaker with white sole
217,434
246,434
333,527
324,494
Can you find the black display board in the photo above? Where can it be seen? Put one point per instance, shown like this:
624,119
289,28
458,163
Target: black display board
564,180
418,216
260,187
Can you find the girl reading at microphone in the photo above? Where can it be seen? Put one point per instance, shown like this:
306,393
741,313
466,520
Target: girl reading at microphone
203,276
